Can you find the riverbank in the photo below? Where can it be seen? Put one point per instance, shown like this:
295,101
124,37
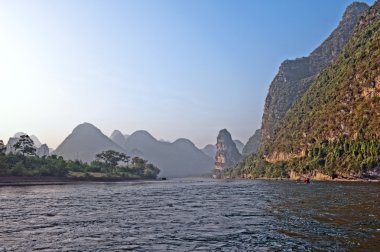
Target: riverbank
311,179
29,181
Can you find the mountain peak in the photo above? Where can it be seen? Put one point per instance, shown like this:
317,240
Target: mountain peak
18,134
352,12
224,132
116,132
184,142
118,137
142,134
84,143
226,152
85,127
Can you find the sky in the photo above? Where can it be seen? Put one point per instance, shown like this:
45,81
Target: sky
178,69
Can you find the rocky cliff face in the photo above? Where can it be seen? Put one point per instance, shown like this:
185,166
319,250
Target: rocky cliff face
295,76
9,147
43,150
239,146
344,99
227,154
253,144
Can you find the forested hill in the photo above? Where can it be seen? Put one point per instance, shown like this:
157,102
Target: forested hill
334,128
343,101
296,76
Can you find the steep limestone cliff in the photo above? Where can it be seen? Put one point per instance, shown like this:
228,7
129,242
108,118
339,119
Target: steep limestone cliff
343,101
253,144
43,150
333,129
227,154
295,76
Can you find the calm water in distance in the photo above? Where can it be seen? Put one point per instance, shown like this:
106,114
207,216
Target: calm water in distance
191,215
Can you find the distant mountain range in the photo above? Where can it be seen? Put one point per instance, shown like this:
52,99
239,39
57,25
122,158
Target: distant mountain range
178,159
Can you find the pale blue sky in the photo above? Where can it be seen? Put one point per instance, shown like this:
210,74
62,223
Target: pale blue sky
174,68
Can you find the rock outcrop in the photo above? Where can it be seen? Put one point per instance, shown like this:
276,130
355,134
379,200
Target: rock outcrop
43,150
239,145
36,141
253,144
210,149
9,147
227,154
295,76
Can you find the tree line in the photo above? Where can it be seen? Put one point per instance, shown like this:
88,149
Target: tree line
24,162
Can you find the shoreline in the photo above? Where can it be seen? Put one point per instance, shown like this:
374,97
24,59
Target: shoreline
34,181
311,179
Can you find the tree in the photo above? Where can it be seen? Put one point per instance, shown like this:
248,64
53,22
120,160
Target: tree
25,145
112,158
138,162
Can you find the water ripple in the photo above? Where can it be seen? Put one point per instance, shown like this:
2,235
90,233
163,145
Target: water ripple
191,215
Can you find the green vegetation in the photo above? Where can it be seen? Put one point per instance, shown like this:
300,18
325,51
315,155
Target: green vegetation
108,164
342,157
334,128
344,100
25,145
255,166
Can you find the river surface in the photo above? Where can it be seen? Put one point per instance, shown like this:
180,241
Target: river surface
191,215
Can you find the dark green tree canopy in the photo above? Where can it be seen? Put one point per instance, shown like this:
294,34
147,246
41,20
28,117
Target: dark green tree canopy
25,145
112,158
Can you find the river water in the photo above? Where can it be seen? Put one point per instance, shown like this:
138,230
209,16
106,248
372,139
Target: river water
191,215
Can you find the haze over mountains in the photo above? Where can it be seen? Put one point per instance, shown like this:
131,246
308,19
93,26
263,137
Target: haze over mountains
84,143
178,159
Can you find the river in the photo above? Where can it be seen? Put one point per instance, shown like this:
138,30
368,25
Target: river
191,215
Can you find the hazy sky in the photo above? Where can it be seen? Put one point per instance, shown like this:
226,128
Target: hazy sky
174,68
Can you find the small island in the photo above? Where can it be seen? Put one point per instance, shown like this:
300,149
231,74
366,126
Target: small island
24,166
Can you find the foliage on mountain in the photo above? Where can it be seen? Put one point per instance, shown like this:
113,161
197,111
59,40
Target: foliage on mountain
342,157
296,76
334,128
344,100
